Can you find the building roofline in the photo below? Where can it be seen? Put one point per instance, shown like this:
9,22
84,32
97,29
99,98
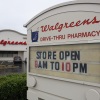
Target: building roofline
61,5
13,31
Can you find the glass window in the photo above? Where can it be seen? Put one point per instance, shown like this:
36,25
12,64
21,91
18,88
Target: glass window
8,53
0,54
4,53
15,52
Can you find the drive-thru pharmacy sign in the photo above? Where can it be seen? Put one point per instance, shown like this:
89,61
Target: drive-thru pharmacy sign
68,47
64,52
71,29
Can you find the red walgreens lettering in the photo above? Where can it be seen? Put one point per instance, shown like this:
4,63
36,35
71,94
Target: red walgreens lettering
3,42
59,26
83,34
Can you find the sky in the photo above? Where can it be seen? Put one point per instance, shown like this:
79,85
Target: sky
15,13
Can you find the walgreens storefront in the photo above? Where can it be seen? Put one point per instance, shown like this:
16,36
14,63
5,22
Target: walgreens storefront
12,43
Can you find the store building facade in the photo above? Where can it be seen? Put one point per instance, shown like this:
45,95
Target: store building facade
12,43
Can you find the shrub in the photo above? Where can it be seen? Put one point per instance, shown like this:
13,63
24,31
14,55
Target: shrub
13,87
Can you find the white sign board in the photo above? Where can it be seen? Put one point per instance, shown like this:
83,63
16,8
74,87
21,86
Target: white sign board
64,52
67,28
59,59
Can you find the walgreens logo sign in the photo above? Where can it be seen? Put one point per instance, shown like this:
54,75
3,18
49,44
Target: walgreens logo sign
59,26
4,42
